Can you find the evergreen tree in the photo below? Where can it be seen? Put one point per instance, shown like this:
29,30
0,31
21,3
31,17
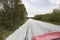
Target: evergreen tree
13,14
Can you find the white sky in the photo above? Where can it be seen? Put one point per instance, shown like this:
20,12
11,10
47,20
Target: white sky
34,7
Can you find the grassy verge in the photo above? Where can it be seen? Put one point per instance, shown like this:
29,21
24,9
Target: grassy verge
56,23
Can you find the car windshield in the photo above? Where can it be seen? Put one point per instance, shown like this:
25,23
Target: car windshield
57,39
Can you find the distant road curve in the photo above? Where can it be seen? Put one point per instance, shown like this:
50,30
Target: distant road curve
33,28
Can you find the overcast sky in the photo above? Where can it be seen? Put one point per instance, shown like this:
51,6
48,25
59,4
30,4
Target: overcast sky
34,7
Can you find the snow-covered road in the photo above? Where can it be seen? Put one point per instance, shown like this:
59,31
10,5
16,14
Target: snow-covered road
33,28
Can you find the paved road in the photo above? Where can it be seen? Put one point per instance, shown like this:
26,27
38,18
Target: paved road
33,28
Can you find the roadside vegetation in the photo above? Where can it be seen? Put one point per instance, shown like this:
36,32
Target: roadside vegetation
53,17
12,15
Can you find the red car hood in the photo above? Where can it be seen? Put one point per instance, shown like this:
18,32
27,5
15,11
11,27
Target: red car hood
48,36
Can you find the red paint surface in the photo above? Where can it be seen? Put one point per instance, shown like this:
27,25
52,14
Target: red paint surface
48,36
